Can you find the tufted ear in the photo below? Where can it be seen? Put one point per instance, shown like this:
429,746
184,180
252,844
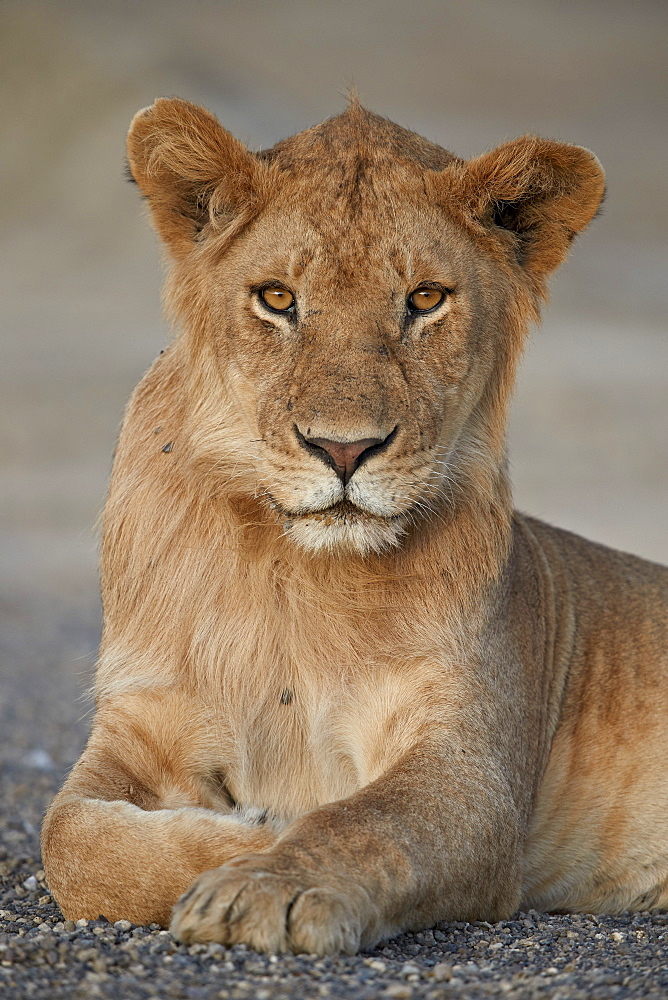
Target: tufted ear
541,193
191,170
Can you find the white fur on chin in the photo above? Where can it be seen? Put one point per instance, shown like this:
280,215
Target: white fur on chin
343,535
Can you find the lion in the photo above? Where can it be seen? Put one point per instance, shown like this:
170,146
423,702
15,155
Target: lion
344,690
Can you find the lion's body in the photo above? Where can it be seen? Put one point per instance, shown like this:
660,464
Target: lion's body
598,842
422,705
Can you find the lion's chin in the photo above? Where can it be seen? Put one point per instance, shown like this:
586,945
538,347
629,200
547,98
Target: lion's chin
344,529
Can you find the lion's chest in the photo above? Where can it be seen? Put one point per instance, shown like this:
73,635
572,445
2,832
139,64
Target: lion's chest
315,699
287,757
311,739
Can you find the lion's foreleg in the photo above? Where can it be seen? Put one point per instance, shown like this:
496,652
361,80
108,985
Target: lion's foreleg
142,813
434,838
114,859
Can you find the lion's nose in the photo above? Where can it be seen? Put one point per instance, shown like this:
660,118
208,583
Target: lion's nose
344,456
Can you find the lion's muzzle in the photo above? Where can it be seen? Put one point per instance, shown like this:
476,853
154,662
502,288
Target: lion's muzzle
344,457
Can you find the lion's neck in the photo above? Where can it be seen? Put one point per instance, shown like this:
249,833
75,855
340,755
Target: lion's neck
460,550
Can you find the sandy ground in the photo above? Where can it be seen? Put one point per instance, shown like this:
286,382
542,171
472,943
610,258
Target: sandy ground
80,275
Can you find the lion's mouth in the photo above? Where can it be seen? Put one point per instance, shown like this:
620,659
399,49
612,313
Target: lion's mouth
340,513
343,526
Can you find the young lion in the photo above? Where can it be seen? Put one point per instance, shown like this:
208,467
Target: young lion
343,689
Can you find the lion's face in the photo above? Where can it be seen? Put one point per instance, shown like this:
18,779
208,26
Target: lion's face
357,355
355,300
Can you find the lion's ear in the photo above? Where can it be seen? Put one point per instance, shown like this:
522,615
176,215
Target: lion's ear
540,192
190,169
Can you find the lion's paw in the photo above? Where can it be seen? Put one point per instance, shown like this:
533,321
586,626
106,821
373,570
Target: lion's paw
243,902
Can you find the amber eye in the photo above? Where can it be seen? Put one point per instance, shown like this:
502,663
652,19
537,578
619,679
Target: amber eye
277,298
425,299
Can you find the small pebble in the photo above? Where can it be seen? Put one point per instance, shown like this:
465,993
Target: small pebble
399,991
442,972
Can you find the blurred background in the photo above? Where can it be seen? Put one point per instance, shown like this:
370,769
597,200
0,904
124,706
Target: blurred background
80,276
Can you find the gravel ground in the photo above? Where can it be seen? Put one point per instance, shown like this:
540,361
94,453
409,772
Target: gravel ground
576,957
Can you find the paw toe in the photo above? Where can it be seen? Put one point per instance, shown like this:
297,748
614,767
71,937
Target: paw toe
320,922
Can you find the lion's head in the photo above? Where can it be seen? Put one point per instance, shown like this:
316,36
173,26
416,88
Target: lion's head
353,302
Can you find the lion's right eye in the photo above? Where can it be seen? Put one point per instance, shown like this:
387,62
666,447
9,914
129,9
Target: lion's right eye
425,299
277,298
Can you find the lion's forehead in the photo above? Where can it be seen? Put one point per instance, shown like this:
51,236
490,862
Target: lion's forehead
387,249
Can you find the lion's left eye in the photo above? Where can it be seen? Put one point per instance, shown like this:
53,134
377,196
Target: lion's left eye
277,298
425,299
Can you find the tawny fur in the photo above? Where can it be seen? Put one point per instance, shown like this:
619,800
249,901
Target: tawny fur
355,708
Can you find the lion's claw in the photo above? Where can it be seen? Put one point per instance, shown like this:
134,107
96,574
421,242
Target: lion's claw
269,912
